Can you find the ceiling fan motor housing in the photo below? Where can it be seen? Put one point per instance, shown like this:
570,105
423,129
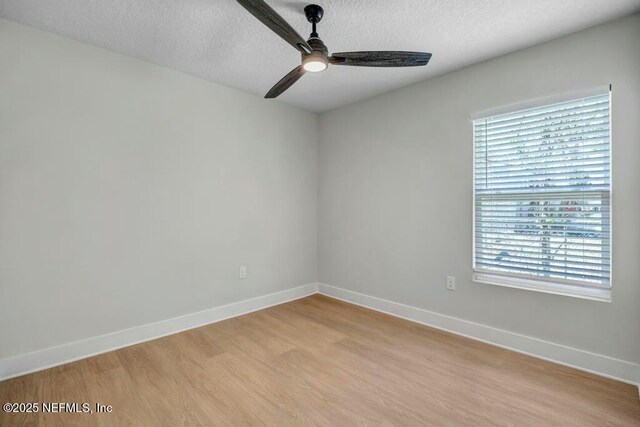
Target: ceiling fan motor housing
318,55
318,45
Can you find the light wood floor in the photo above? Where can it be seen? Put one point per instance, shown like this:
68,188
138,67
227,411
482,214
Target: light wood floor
318,361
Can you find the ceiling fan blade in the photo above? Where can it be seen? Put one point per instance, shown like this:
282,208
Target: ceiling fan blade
286,82
381,59
276,23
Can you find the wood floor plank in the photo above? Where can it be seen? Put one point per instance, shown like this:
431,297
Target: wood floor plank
319,361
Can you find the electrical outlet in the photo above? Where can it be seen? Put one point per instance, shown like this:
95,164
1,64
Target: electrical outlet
243,272
451,283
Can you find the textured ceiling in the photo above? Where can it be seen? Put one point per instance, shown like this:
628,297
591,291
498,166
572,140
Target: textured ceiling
219,41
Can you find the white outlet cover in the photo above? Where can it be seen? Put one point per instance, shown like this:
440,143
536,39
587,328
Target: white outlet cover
451,283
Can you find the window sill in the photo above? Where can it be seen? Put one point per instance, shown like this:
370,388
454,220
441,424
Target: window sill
546,287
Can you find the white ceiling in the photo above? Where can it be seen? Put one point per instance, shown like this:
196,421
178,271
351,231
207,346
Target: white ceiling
219,41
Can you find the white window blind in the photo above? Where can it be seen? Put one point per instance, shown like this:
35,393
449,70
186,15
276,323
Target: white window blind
542,185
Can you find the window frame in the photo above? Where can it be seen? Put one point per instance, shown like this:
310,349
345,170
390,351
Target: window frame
530,282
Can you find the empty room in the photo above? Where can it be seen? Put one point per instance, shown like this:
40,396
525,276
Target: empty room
283,213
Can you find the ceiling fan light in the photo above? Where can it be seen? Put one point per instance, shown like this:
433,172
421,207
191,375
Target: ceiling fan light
314,63
315,67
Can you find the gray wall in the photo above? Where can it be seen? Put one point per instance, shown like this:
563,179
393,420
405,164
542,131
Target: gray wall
130,193
395,190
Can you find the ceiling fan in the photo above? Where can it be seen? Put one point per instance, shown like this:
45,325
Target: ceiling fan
315,55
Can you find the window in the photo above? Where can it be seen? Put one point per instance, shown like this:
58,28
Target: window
542,197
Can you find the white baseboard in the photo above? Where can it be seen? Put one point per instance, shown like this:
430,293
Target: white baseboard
598,364
42,359
591,362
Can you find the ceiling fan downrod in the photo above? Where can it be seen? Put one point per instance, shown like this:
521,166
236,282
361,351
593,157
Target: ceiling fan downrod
314,15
